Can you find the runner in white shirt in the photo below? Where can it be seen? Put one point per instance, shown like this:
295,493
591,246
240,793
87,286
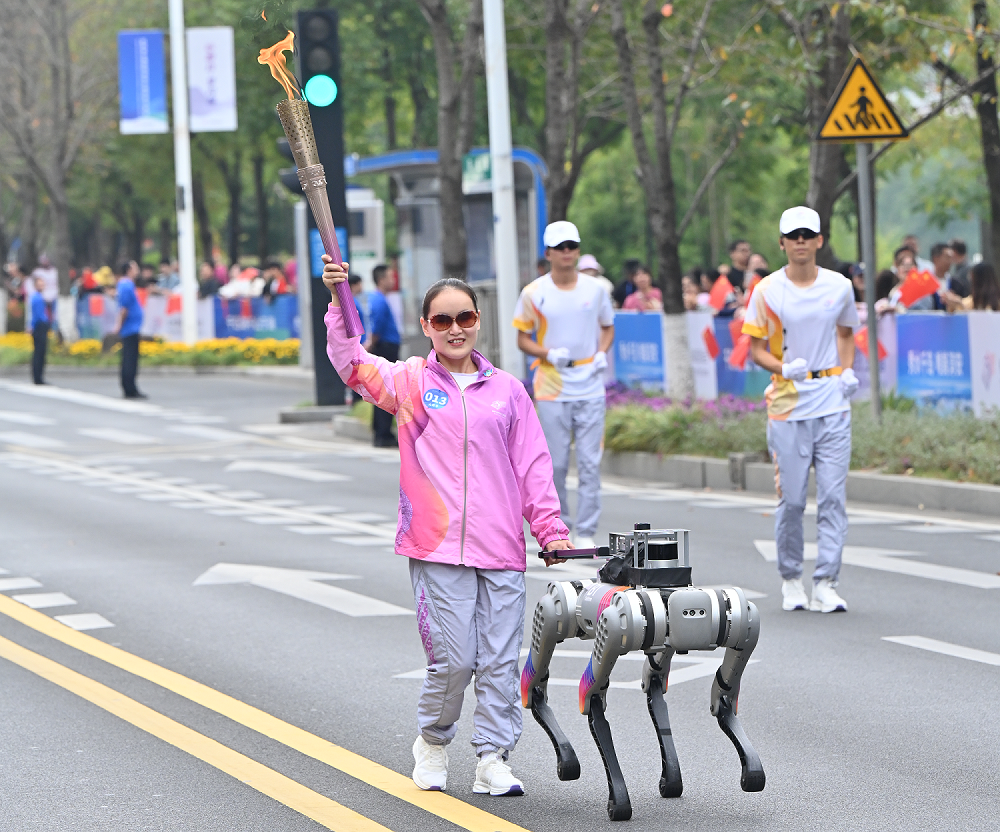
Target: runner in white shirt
573,321
800,320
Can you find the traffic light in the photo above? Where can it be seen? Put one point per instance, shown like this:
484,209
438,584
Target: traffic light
289,176
318,54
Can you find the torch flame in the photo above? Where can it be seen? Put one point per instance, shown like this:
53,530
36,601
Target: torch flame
272,57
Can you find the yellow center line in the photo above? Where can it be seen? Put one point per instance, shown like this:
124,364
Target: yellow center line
265,780
361,768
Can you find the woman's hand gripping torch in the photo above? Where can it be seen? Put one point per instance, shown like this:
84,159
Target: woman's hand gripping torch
295,120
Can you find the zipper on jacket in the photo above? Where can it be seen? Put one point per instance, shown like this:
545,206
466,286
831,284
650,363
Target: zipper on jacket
465,473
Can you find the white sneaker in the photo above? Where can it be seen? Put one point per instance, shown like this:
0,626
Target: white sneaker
793,595
493,776
825,597
431,770
582,542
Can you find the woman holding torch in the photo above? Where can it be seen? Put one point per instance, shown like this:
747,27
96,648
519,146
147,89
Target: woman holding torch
473,466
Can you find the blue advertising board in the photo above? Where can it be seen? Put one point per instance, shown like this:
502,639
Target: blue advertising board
750,381
142,82
316,250
257,317
639,357
934,366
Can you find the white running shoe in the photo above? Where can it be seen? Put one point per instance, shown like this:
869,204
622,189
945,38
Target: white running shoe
493,776
431,770
585,543
825,597
793,595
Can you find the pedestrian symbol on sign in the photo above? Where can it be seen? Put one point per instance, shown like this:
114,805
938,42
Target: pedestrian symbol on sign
859,111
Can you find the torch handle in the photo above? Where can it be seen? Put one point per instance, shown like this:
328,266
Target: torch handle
313,179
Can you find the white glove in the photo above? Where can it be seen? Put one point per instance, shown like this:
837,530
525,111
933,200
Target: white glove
600,363
796,370
558,357
848,383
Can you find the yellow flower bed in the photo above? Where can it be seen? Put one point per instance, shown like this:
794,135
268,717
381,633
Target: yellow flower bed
17,341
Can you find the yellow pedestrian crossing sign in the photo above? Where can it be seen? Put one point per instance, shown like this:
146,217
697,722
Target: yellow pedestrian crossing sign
859,112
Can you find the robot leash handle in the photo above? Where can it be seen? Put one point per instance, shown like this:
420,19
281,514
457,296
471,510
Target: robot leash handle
588,554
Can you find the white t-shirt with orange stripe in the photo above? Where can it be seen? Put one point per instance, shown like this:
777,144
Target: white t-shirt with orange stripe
802,323
569,318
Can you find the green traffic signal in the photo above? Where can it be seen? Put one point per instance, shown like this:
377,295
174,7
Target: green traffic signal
320,91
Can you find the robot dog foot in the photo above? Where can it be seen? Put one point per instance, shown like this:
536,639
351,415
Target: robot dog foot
619,806
567,764
752,776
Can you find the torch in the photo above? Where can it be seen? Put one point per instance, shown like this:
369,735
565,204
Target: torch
297,124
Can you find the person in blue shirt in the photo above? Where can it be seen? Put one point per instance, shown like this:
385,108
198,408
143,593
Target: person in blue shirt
129,324
39,331
384,341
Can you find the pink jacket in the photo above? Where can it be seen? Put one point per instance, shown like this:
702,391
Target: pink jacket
472,466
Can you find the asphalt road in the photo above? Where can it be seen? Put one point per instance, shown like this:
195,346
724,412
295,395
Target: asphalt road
228,674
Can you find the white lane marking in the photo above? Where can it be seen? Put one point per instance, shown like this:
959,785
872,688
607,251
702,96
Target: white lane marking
887,560
7,584
84,621
120,437
4,571
322,509
213,434
20,418
934,528
943,647
157,498
364,540
280,503
44,600
268,521
79,397
368,517
240,495
29,440
308,529
304,585
233,512
286,469
993,538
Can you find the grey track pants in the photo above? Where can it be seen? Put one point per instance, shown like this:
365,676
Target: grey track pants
470,622
824,442
561,421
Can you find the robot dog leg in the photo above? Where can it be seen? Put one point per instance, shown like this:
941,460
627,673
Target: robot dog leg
702,619
553,622
654,682
621,627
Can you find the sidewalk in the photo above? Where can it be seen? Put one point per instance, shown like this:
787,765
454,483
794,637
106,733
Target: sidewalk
740,474
285,371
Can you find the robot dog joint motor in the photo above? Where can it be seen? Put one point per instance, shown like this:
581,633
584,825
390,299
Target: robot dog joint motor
642,599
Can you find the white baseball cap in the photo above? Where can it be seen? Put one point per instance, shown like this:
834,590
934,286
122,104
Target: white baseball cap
799,217
559,232
588,261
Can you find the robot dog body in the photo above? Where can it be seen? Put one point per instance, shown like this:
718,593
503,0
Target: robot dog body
642,600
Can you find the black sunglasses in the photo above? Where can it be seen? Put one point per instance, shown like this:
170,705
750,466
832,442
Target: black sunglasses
569,245
801,234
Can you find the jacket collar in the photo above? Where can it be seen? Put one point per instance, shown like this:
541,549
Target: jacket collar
485,369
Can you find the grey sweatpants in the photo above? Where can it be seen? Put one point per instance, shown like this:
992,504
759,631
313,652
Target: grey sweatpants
470,621
584,420
824,442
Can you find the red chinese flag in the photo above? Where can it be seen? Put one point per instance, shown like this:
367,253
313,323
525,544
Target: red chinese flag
173,304
741,352
95,303
735,330
710,343
861,342
246,308
142,295
721,290
916,286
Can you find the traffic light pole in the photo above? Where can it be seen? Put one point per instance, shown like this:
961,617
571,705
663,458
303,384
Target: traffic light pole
182,175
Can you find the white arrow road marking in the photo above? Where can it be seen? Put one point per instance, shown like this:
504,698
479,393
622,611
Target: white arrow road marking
287,469
121,437
19,418
304,585
947,649
888,560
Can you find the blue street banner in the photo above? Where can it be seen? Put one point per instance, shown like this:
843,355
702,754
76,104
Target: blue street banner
639,355
749,382
211,79
142,82
316,250
933,360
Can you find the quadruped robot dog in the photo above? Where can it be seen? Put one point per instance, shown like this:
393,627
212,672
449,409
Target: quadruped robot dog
642,600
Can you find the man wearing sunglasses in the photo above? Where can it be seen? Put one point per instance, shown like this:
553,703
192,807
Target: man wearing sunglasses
571,316
800,320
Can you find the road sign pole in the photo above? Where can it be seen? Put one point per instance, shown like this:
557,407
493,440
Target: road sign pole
866,221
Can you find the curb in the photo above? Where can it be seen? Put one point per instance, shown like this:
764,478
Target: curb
67,371
317,413
742,472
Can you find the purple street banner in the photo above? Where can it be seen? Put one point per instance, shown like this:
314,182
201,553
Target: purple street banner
142,83
211,79
933,365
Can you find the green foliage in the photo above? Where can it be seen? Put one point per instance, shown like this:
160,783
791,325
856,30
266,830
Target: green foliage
680,430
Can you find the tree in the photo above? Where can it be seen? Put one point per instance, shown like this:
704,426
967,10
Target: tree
656,167
456,90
